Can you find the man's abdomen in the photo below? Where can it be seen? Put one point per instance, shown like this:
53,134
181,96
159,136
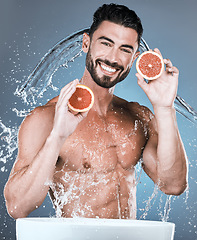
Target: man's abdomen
103,195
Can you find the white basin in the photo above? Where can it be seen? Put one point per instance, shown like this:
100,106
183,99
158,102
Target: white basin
92,229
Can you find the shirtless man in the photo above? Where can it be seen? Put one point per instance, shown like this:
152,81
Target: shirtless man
86,161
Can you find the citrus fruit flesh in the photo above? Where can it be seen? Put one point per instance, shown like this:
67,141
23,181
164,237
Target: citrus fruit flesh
82,99
150,65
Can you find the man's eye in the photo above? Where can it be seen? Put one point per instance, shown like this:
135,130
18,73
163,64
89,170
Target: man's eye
106,44
126,50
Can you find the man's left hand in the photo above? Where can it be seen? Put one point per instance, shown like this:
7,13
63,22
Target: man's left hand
162,91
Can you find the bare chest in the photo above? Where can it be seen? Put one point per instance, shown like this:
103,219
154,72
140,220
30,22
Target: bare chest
100,145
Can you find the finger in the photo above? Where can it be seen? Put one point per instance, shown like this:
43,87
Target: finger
141,82
65,95
157,51
82,115
170,68
67,91
168,63
173,70
79,115
71,111
69,86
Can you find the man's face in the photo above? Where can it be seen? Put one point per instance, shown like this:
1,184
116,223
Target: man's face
111,53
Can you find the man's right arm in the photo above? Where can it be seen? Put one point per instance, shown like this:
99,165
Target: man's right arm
40,139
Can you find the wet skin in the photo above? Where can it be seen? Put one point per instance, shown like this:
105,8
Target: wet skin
98,159
95,168
86,161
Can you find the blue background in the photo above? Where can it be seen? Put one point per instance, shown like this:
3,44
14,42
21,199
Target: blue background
28,29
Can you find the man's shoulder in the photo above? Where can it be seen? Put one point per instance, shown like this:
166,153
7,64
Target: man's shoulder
43,112
141,111
41,115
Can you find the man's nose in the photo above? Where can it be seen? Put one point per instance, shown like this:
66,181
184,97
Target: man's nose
113,55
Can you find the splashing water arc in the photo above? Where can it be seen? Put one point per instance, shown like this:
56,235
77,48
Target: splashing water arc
60,55
65,51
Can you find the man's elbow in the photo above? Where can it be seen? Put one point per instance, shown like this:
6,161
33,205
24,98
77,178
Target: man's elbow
14,210
14,213
175,190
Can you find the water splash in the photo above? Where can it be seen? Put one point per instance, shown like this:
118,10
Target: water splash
185,109
138,171
67,51
150,202
78,186
63,53
167,208
9,136
60,55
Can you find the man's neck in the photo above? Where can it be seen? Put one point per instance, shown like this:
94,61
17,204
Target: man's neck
102,96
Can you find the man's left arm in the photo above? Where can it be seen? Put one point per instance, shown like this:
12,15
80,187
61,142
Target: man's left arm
164,157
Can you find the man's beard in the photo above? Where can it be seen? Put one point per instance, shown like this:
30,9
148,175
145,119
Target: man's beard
105,81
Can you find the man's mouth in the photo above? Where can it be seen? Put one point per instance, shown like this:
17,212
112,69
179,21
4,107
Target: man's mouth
107,68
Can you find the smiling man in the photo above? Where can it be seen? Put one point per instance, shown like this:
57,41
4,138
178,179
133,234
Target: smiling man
87,161
112,71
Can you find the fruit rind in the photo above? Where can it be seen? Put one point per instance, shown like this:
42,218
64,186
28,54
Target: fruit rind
84,109
139,71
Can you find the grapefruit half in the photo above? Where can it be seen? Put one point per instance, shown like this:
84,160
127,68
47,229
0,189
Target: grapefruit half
82,99
150,65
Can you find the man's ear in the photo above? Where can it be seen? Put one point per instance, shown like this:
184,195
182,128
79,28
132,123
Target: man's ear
86,42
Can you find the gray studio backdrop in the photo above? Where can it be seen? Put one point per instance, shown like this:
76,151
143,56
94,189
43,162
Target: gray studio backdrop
28,29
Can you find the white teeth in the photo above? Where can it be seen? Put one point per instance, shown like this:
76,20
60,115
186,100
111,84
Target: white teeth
112,70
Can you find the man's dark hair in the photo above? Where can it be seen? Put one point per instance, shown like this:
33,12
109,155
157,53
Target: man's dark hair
118,14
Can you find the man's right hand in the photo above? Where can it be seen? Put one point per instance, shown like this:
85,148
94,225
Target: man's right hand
66,122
